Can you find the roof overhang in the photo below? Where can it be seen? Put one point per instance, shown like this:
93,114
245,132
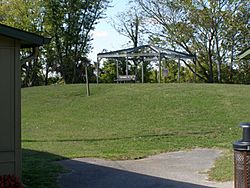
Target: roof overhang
27,39
145,51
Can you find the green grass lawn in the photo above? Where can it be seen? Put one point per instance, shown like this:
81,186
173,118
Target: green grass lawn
128,121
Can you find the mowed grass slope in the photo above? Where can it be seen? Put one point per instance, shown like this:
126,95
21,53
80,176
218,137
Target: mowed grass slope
129,121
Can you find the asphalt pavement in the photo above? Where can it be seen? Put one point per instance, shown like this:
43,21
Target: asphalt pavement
182,169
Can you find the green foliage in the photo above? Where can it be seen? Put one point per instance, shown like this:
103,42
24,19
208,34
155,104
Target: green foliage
127,121
21,14
148,73
26,15
172,67
216,31
108,72
71,23
67,23
243,75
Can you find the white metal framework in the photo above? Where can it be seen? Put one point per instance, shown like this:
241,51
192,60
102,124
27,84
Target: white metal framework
144,53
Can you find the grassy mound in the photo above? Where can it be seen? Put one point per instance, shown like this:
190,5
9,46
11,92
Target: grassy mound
128,121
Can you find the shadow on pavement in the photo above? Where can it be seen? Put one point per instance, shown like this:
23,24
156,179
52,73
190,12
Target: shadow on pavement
85,175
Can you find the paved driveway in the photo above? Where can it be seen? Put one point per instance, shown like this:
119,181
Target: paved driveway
182,169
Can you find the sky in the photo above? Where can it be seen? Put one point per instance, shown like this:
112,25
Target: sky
104,35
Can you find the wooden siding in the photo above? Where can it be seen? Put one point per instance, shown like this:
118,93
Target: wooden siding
10,141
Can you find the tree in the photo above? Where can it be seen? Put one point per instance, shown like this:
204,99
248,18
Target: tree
169,26
67,22
108,72
71,23
236,34
26,15
129,24
200,27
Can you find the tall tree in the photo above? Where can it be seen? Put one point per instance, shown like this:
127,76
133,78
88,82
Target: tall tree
199,27
26,15
67,22
129,24
71,24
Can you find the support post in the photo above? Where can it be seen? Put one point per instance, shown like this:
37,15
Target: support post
142,72
160,72
127,65
164,71
195,69
87,80
97,70
117,72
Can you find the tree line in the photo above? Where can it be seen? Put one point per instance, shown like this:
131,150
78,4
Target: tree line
68,23
215,30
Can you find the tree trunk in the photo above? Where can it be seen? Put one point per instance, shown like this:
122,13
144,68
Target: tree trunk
46,74
231,61
211,75
218,58
74,73
219,71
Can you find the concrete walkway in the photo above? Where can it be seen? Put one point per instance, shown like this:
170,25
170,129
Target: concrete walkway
184,169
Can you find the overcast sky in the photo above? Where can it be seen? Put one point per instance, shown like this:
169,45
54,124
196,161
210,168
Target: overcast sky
105,36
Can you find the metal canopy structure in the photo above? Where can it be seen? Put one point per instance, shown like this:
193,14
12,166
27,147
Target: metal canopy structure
244,54
144,53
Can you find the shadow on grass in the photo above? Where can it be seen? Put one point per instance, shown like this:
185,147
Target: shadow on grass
40,169
86,175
